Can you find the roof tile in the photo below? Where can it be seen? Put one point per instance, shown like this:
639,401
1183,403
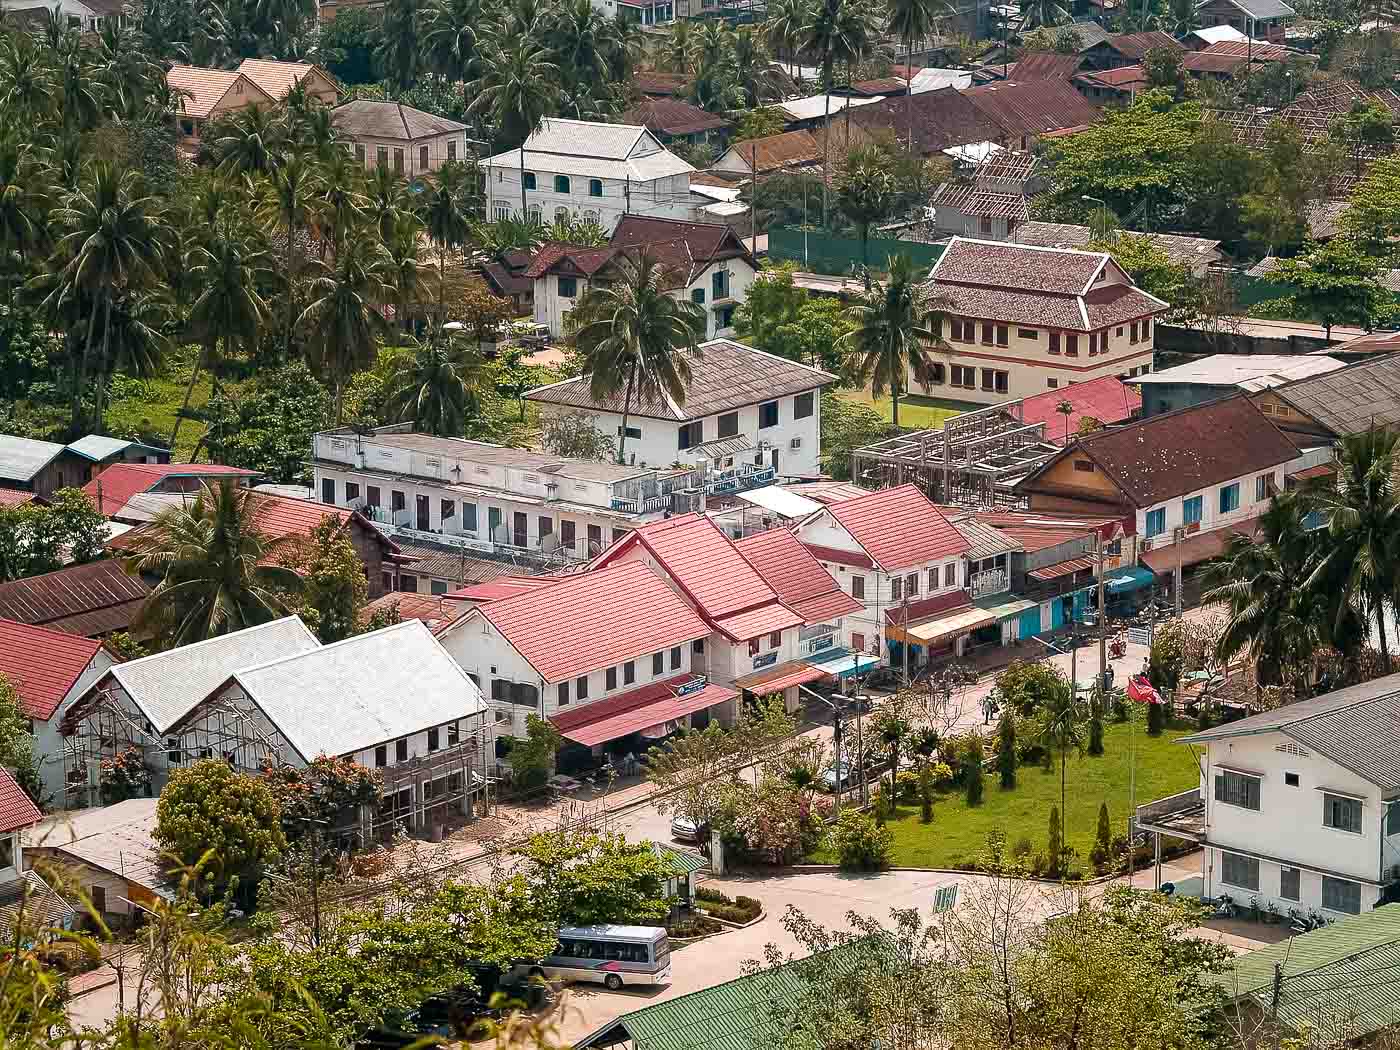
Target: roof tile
43,665
898,527
17,810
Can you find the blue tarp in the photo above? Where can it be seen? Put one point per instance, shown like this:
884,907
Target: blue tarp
1130,579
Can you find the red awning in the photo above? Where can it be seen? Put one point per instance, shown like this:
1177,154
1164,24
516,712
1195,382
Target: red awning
1322,470
772,679
651,705
1061,568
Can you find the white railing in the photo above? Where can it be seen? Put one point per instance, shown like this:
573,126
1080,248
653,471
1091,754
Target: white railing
992,581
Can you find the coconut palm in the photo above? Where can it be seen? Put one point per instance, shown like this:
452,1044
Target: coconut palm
404,272
226,272
136,339
26,80
295,184
1363,521
399,51
581,40
339,202
115,242
752,68
23,193
438,385
450,32
342,319
911,20
1066,409
866,192
677,47
784,27
518,87
635,339
893,322
446,214
1272,619
216,567
251,143
831,33
1062,729
80,94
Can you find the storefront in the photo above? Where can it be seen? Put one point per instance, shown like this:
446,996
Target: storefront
938,638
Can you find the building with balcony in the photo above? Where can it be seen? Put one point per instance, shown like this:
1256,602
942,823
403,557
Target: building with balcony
1026,319
748,416
759,641
1298,807
605,655
701,262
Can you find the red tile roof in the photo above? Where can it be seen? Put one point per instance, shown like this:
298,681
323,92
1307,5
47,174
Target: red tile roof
1178,452
839,556
1047,65
649,82
69,599
1061,568
119,482
17,810
1121,78
1107,399
594,620
14,497
758,621
651,705
705,564
434,610
899,615
773,679
504,587
1244,49
42,664
996,264
795,574
574,259
684,247
881,86
898,527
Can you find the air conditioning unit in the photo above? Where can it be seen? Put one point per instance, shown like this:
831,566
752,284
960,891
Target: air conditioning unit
795,443
1145,546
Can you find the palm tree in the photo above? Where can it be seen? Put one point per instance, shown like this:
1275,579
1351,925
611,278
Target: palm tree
634,337
1363,522
227,272
79,92
216,568
251,143
1042,13
115,241
580,38
893,320
343,322
23,191
752,69
518,88
26,80
387,199
1272,618
910,20
829,32
136,339
446,215
400,51
866,192
405,268
295,184
339,201
438,385
784,27
677,47
450,31
1062,728
1066,409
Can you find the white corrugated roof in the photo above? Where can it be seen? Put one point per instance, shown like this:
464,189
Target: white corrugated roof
98,447
22,458
367,690
931,79
815,106
660,165
1215,34
1252,372
168,685
594,150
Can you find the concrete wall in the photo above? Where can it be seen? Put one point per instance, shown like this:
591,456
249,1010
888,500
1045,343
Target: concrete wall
667,198
366,152
1211,518
48,741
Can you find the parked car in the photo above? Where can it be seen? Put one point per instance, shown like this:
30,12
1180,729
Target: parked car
683,829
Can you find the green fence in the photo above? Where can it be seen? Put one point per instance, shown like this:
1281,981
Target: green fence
818,252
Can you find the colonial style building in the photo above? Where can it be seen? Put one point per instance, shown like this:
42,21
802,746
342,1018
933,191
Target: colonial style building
1024,319
202,95
590,171
390,134
748,416
705,263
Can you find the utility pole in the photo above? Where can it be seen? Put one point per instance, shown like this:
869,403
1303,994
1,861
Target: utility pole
1103,626
1277,992
753,198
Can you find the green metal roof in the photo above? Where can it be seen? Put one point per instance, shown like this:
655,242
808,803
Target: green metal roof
736,1015
1342,973
682,861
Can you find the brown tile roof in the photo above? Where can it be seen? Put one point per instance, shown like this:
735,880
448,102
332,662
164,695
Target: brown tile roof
942,118
199,90
683,248
1350,399
726,375
1200,62
1000,265
1245,50
1135,45
365,118
587,261
434,610
649,82
1046,65
1033,108
1193,448
91,599
772,152
672,116
504,282
278,78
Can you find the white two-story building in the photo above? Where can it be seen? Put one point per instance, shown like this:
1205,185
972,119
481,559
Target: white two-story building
895,553
748,416
1298,807
703,263
588,170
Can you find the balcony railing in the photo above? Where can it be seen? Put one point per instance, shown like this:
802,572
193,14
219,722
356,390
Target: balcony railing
641,506
738,480
1182,815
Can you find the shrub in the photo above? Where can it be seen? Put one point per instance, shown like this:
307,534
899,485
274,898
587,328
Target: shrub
880,805
729,913
1038,865
1023,848
1096,728
860,843
972,770
707,893
749,904
1101,853
907,786
942,774
694,926
1156,719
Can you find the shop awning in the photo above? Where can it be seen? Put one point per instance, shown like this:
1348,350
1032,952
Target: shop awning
959,621
842,663
646,708
1004,606
1132,578
1061,568
1199,547
781,676
1322,470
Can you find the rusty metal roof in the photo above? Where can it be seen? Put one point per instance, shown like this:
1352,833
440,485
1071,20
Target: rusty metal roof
57,598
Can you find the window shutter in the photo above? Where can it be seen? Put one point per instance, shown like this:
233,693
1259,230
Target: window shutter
1220,787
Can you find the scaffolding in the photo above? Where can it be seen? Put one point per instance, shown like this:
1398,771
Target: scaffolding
974,461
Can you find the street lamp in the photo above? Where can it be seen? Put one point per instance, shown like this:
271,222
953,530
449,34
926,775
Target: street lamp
1103,205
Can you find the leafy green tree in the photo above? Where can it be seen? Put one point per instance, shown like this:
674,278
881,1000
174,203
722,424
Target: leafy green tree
1372,215
865,193
894,320
860,844
438,384
635,339
1150,267
1366,129
925,795
693,773
532,759
589,879
17,751
335,587
226,823
214,567
267,423
1006,748
1029,686
758,123
773,306
577,436
1043,14
1334,283
1096,713
972,769
1102,851
38,539
846,426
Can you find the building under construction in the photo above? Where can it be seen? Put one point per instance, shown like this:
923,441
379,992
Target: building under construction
974,460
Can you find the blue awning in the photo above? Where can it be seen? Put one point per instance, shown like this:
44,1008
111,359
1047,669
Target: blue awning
1130,579
843,663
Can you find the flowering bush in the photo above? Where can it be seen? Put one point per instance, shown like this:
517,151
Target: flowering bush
124,776
774,823
323,792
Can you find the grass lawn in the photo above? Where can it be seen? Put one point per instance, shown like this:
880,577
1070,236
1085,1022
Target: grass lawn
959,832
915,410
151,408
